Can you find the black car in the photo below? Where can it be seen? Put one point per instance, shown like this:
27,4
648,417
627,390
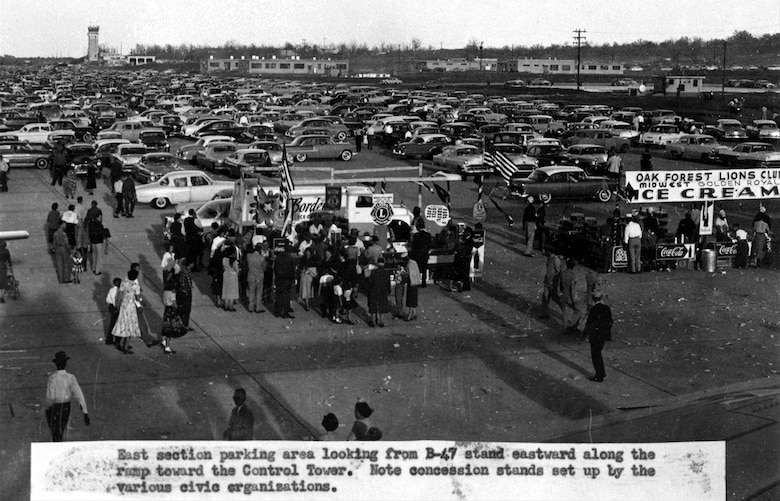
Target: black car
81,156
549,154
154,139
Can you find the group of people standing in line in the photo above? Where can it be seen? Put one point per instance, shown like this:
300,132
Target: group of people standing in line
77,238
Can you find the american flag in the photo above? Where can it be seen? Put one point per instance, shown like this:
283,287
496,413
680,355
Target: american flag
287,185
499,162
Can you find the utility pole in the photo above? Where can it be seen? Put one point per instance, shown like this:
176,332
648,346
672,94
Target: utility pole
723,75
579,39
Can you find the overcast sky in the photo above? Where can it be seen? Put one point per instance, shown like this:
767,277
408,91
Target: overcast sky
59,27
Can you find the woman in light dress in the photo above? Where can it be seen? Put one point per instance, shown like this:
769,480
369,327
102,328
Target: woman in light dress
127,323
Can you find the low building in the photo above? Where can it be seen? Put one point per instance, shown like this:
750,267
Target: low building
139,60
559,67
669,84
263,66
447,65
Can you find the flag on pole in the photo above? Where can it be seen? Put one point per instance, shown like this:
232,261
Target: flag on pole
286,182
286,186
444,195
509,219
499,162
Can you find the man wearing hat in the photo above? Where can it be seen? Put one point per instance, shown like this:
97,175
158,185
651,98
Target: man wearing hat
60,389
598,331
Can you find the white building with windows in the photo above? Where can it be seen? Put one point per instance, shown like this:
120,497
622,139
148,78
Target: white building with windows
294,65
559,67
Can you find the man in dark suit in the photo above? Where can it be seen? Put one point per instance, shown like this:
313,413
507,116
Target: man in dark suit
242,422
284,279
420,248
598,329
192,240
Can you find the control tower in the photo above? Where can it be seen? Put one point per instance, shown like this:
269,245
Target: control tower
92,48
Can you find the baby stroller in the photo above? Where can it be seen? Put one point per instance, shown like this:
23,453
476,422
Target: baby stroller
13,285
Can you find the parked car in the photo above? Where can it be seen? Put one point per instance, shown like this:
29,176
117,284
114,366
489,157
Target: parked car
187,152
539,82
763,130
105,150
463,159
82,133
19,154
659,135
602,137
302,128
515,84
181,186
216,210
127,129
564,182
154,140
249,163
729,129
211,157
310,147
422,146
36,133
153,166
745,153
391,81
515,153
592,158
695,146
621,129
80,157
219,128
548,154
127,155
273,149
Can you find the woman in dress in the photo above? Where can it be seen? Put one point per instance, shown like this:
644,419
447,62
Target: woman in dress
230,279
5,267
308,272
91,185
172,326
363,429
412,288
70,184
127,324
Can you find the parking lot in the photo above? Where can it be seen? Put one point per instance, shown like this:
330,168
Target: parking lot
474,366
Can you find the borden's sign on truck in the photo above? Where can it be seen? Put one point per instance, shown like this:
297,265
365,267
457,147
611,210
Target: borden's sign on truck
255,203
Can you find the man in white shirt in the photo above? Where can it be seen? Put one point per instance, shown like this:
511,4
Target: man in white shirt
633,239
71,219
61,388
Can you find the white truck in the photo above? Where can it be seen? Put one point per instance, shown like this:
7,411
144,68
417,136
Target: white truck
354,206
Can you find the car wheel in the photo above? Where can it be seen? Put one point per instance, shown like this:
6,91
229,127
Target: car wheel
624,148
160,203
346,155
341,136
604,195
545,197
42,163
87,137
674,154
300,157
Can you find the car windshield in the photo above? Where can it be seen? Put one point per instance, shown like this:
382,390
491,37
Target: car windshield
592,151
550,149
158,160
767,126
509,149
153,136
467,151
133,151
254,158
82,151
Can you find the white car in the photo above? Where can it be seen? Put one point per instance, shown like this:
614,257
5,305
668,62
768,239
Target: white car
660,135
181,187
391,81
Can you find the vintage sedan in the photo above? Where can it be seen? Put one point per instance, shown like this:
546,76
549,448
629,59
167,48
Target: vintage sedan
463,159
273,149
590,157
548,154
729,129
302,128
304,147
80,157
564,182
422,146
745,153
154,139
19,154
514,152
249,163
187,152
695,146
104,151
763,130
212,156
181,186
153,166
127,155
659,135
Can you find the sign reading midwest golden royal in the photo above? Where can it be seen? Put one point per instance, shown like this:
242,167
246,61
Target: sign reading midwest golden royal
702,185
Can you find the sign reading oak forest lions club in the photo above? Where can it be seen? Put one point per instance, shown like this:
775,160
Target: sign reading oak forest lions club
702,185
382,211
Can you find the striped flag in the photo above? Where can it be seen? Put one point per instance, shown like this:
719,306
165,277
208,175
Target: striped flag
499,162
287,185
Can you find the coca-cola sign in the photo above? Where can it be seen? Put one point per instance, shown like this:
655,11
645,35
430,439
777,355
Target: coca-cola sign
675,251
726,249
619,257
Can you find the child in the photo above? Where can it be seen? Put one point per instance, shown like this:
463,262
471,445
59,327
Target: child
78,266
113,310
331,423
